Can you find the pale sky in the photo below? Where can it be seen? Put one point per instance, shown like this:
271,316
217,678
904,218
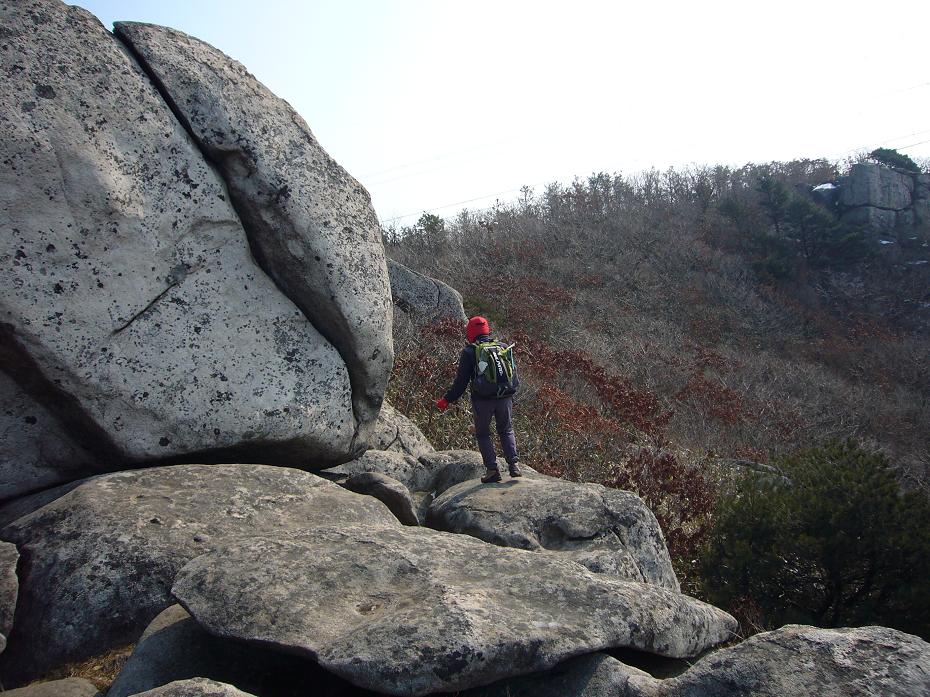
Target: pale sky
435,106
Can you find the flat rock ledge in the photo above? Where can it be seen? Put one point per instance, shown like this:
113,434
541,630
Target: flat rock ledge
98,563
412,611
195,687
607,530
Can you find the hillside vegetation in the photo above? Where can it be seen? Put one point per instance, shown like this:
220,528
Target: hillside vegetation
678,329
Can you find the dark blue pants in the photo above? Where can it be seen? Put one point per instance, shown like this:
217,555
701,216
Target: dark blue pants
501,410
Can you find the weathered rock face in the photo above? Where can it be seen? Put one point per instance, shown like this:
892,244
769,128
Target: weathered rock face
355,599
422,298
35,450
98,562
310,224
607,530
9,589
396,433
195,687
174,647
133,306
880,197
69,687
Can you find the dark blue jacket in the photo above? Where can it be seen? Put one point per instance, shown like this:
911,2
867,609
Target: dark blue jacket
465,372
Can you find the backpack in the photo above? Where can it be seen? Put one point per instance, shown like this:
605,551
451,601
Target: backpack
495,370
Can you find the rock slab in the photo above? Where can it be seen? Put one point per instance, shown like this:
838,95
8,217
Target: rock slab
422,298
355,599
607,530
98,563
69,687
310,224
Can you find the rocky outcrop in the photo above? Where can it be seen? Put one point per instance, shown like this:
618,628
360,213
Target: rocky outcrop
69,687
883,198
195,687
422,298
607,530
9,589
493,612
98,563
310,224
133,307
174,647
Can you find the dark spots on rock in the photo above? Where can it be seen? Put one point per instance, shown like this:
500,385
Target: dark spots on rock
317,258
163,441
59,289
45,91
221,397
156,521
99,284
216,431
28,106
50,248
31,420
20,254
197,329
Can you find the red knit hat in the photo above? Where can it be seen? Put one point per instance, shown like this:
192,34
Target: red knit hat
476,327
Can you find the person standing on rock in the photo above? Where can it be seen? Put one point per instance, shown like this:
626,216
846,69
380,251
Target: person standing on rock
489,367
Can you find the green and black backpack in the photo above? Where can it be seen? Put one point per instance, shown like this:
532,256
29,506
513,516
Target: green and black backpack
495,370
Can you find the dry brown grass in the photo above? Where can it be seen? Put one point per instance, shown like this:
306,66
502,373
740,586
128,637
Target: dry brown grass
100,670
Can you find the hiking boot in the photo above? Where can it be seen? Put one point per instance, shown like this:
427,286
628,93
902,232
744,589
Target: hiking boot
515,470
491,477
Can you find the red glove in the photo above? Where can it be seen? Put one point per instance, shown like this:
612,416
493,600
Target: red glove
442,404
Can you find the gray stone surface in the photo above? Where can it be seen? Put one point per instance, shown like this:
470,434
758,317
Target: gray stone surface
388,491
36,451
607,530
195,687
396,433
24,505
355,598
132,303
98,563
174,647
69,687
9,589
422,298
311,225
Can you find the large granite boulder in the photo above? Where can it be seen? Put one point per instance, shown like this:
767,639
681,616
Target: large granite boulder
422,298
607,530
98,563
174,647
195,687
310,224
355,598
9,589
133,307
